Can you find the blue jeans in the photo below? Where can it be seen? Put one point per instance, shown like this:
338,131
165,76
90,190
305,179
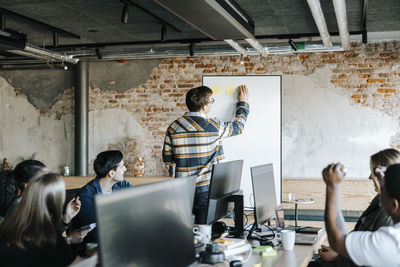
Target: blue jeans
200,206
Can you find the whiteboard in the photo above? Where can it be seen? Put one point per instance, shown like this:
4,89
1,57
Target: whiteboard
260,142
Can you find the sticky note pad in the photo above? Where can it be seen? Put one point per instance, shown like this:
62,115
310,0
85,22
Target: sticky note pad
271,253
263,249
229,89
216,90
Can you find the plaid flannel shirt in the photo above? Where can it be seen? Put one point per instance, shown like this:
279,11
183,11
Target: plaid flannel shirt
194,142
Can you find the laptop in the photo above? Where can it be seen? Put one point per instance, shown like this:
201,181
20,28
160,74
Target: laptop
307,238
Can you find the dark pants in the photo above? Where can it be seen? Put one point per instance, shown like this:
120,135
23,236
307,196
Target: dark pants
200,205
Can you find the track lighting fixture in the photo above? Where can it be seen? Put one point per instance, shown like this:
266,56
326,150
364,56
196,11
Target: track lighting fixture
163,33
191,52
292,44
99,54
124,17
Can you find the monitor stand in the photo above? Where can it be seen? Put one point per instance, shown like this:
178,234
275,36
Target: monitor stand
237,201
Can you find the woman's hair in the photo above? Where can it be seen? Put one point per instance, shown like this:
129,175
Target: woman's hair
385,158
197,98
8,191
34,221
25,170
392,181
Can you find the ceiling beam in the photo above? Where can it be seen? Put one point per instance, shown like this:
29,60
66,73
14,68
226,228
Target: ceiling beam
39,23
189,41
160,20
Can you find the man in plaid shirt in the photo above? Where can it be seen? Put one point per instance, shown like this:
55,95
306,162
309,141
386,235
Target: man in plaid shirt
193,142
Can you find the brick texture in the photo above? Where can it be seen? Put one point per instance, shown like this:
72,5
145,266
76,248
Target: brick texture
369,75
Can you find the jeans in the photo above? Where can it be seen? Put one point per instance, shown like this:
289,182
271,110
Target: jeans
200,207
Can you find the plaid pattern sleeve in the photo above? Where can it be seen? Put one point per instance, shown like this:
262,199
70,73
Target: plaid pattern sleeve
193,142
236,126
167,155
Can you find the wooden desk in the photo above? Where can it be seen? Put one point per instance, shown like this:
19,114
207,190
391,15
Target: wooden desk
299,257
79,181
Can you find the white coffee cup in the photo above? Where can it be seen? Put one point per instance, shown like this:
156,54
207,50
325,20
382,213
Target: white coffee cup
204,231
288,237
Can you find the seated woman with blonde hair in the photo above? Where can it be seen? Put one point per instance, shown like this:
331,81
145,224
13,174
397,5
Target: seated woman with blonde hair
29,235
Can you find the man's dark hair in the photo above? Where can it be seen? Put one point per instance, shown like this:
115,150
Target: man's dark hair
197,98
8,191
25,170
392,181
107,161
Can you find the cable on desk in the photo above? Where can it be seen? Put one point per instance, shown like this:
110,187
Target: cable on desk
249,256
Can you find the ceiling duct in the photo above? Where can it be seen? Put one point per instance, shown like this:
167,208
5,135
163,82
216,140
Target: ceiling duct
318,15
43,54
11,40
341,16
14,42
218,19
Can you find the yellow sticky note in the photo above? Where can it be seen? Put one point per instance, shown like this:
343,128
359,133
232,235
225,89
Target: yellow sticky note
216,90
271,253
257,264
230,89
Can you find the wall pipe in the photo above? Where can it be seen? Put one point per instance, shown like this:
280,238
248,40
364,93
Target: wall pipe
316,11
81,118
341,17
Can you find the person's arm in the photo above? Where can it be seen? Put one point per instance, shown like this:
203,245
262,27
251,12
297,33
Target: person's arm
236,126
167,153
334,221
72,209
327,253
87,213
76,236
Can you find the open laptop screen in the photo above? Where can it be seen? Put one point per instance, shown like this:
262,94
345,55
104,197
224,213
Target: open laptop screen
147,225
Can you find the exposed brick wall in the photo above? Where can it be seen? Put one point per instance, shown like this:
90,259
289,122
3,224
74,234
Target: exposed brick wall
369,75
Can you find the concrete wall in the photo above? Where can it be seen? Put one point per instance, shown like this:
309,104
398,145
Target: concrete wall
336,106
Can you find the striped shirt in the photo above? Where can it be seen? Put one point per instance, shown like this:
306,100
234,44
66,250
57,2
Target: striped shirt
194,142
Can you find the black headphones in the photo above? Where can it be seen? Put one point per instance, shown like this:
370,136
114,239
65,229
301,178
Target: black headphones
218,228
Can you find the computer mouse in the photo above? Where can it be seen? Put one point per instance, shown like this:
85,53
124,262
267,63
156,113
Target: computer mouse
235,263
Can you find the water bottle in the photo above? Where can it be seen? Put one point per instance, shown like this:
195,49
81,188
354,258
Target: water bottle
66,169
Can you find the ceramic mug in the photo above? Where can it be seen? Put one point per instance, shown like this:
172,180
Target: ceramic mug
203,231
288,237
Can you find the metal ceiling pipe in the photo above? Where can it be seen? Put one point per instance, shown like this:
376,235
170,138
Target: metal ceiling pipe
319,19
257,46
341,17
235,45
44,54
81,118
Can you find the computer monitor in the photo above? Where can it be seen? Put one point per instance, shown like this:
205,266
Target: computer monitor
147,225
265,202
225,182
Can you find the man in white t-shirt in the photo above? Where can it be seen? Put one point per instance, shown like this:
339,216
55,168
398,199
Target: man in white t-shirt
379,248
